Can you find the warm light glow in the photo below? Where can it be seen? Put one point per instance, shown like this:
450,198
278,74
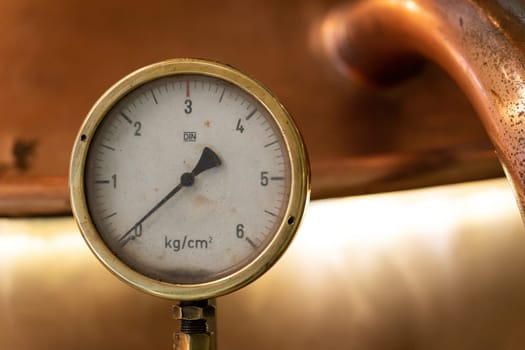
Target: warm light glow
411,5
14,246
326,37
361,227
30,243
332,229
372,260
27,237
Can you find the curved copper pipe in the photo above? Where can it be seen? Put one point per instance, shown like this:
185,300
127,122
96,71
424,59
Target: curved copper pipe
480,43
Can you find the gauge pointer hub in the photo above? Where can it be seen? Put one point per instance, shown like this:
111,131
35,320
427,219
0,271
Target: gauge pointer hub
208,160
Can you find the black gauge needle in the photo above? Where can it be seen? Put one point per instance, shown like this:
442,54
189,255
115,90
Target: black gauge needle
208,160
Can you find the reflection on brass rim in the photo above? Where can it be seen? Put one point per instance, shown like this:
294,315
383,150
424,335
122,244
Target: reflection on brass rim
299,190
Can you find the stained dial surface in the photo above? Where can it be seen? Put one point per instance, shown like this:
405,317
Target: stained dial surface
187,178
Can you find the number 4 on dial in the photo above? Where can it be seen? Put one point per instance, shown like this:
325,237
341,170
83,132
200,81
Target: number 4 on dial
240,127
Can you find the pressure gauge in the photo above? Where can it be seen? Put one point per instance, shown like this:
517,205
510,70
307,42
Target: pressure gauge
188,179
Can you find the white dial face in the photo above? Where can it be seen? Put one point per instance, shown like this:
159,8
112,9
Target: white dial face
187,179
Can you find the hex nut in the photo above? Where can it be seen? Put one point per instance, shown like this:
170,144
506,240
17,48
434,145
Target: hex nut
193,312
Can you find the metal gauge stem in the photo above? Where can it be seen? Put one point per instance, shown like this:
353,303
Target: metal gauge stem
188,179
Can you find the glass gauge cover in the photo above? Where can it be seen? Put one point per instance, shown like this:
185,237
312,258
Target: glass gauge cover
188,179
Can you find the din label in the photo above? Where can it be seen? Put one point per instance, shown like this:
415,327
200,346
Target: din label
190,136
186,243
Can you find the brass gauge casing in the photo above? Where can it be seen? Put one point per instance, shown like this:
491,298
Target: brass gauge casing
168,222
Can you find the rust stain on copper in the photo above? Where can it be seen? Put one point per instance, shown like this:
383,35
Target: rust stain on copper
23,152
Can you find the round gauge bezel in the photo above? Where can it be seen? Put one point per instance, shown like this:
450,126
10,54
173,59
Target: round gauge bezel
299,182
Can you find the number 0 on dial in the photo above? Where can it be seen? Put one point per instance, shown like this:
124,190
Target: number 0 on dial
188,179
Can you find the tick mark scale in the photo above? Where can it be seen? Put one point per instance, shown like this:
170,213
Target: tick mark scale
251,114
154,97
126,117
108,147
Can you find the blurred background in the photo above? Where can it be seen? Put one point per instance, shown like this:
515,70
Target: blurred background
432,268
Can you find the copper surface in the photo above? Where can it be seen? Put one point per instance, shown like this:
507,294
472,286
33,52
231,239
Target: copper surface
479,43
57,58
